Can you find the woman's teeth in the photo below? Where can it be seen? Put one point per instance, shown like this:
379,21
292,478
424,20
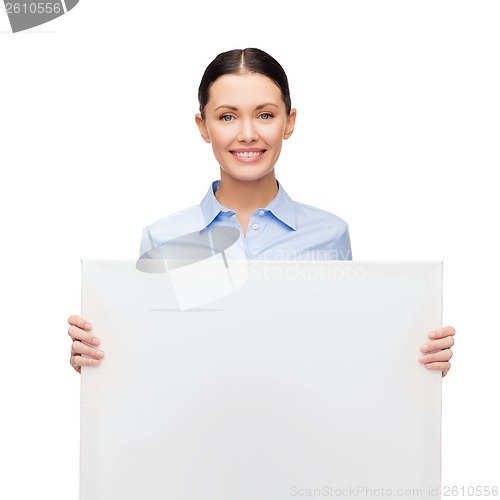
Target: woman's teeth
248,154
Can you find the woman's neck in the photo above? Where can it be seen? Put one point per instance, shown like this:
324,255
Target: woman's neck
246,196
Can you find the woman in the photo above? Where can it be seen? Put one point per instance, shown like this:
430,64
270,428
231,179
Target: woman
245,114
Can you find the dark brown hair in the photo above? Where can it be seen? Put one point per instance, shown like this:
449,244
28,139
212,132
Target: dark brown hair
240,61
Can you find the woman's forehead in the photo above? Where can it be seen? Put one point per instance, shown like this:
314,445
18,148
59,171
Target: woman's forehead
244,89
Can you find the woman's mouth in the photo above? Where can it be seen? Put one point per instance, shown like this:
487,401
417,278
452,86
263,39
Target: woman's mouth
248,155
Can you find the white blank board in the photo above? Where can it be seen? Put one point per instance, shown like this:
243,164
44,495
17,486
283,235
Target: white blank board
302,382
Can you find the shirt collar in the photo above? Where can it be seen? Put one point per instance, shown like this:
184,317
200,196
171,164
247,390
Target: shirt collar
282,207
210,206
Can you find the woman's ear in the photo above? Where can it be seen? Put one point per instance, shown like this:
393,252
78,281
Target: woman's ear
290,123
202,127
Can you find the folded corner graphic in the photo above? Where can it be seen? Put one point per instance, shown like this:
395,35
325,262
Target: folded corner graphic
70,4
198,266
26,15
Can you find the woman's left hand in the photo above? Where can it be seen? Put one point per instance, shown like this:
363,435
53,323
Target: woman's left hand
437,351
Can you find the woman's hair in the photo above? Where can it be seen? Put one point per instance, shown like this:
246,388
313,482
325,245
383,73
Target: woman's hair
248,60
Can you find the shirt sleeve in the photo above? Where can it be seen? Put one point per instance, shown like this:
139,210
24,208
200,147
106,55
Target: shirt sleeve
342,245
146,242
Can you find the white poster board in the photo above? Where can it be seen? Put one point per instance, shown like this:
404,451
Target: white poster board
302,382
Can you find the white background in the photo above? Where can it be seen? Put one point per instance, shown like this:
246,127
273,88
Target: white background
397,133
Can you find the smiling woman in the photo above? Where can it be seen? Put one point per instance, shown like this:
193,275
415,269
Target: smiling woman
245,114
246,123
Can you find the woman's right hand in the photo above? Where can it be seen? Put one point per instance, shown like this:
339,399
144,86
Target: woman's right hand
84,342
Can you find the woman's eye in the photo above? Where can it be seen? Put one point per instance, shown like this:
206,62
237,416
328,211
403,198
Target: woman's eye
266,116
226,118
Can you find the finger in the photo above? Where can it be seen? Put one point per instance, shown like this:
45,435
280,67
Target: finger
439,333
443,366
437,345
84,336
81,348
78,361
79,322
444,355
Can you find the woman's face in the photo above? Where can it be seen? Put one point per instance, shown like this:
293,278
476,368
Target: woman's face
246,122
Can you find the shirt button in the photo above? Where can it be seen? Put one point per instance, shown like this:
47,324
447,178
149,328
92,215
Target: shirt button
255,226
261,212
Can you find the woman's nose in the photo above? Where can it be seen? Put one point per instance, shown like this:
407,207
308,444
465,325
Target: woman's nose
248,131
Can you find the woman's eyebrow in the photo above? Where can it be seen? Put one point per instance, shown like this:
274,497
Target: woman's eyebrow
260,106
234,108
226,106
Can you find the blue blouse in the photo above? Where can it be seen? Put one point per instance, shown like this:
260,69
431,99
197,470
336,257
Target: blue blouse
284,230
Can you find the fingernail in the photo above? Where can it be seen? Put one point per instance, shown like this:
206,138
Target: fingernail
424,348
95,362
88,326
99,353
422,359
432,335
95,341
